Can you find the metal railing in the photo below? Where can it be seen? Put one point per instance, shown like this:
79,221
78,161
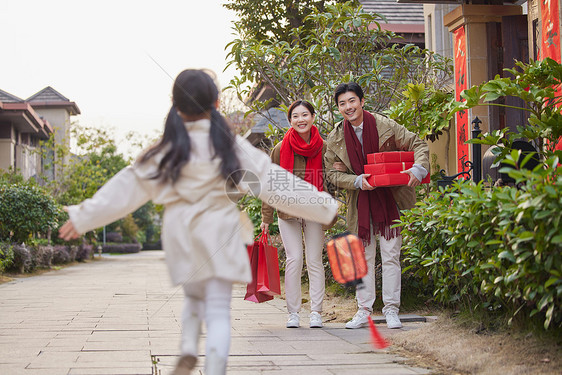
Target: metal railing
474,170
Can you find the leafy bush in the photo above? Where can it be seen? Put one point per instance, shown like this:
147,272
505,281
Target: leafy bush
84,252
25,209
129,228
152,245
121,248
252,206
498,249
25,258
22,259
6,256
114,237
41,256
61,254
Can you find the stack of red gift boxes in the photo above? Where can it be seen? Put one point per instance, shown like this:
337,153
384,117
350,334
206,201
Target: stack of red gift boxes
385,168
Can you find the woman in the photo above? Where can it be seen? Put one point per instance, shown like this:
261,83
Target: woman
301,152
203,232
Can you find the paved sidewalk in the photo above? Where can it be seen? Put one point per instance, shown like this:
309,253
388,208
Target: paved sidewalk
121,316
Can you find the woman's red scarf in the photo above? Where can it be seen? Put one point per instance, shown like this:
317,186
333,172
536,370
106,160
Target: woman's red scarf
377,205
294,144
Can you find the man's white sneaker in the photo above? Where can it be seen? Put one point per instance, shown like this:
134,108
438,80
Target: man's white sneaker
293,320
315,320
360,319
392,320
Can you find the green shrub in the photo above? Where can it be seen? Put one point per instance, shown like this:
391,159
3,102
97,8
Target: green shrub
84,252
129,228
41,256
496,249
121,248
25,210
61,254
252,206
6,256
22,259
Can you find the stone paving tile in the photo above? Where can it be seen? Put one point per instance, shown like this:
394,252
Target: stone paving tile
54,359
110,371
115,345
116,356
27,371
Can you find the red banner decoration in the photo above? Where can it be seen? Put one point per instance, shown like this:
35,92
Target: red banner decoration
461,84
550,36
550,30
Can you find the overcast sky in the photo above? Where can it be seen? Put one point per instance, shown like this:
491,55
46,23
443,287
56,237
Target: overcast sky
98,53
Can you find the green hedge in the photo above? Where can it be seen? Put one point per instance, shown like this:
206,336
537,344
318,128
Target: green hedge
497,249
121,248
22,258
26,210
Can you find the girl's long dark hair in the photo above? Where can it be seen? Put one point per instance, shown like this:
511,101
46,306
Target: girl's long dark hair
194,93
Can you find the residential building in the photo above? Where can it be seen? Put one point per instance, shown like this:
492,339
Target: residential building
25,123
483,38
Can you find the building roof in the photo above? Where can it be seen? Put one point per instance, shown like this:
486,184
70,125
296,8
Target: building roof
51,98
48,94
395,13
274,116
6,97
25,119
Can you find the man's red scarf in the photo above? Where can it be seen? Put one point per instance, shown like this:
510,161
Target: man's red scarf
377,205
294,144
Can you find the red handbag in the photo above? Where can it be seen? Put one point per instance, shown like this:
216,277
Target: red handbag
264,263
268,268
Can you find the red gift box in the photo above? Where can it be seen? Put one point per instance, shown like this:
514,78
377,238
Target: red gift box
390,157
384,168
389,179
393,179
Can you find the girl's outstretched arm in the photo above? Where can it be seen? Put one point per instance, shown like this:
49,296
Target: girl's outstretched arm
121,195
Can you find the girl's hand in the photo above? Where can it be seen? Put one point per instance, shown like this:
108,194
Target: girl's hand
264,227
67,232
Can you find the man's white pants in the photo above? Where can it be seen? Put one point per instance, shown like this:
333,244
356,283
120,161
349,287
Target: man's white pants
291,234
391,274
209,301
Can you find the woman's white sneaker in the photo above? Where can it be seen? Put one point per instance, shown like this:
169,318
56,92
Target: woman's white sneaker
315,320
293,321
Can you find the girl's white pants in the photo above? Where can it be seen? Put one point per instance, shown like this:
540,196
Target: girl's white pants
207,301
292,234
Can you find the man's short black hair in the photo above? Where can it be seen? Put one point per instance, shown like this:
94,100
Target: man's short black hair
347,87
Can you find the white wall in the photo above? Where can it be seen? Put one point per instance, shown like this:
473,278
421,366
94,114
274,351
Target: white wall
6,153
437,37
59,118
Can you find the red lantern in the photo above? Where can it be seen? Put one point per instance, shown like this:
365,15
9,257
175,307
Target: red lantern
347,259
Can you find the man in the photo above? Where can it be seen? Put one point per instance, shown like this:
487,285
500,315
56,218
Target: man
371,211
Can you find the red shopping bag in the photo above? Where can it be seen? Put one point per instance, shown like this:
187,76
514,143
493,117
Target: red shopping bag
268,268
264,263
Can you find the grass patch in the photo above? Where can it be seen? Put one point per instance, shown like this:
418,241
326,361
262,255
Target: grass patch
461,345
